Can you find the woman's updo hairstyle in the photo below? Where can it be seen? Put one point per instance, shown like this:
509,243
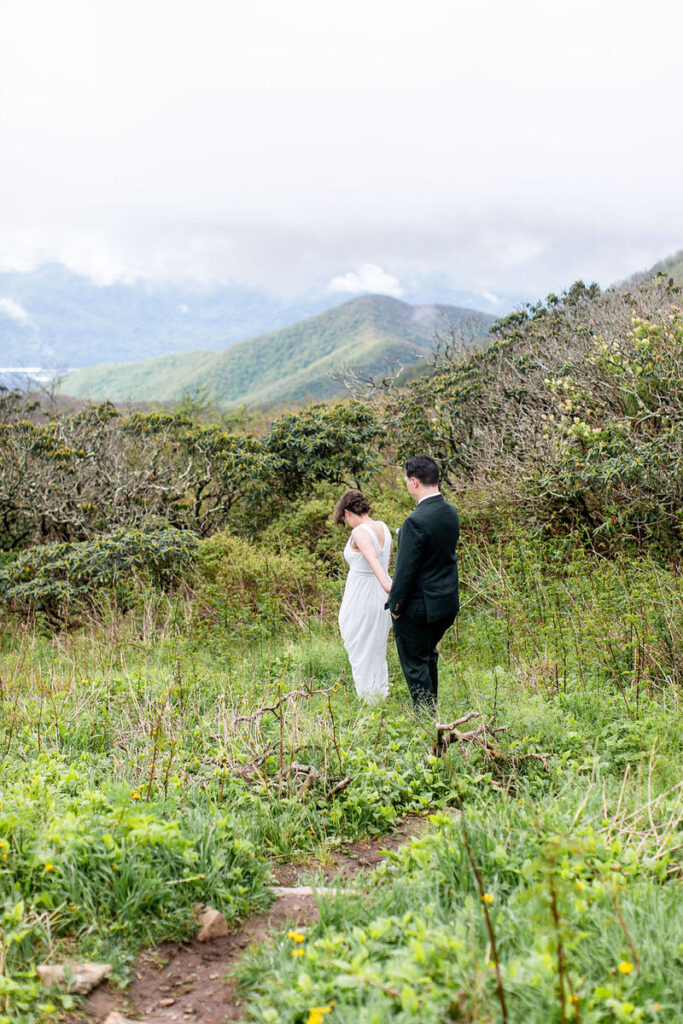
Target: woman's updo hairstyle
354,501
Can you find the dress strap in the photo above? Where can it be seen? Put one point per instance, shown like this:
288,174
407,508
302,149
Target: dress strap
374,537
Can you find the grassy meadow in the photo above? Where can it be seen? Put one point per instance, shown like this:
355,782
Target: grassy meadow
173,753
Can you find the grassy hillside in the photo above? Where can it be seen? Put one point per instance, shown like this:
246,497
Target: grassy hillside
290,364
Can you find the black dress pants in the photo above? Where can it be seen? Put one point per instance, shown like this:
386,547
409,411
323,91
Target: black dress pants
416,642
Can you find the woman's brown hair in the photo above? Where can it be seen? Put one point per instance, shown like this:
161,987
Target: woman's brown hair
354,501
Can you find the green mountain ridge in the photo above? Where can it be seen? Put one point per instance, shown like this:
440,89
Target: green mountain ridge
290,364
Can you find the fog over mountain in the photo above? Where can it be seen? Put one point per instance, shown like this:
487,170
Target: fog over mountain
56,319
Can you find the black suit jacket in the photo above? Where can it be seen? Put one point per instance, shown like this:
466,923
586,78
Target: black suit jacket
425,583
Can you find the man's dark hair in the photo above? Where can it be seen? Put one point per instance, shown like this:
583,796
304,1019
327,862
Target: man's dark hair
354,501
424,468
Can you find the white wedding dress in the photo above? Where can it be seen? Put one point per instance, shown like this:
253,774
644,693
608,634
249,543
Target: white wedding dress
363,620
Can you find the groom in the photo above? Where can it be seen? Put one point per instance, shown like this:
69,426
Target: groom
424,593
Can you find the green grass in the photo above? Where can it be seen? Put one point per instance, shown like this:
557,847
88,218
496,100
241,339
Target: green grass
416,946
142,774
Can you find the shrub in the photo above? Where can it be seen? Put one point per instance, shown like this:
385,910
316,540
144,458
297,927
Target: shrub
61,578
616,457
71,476
242,587
324,442
576,406
95,471
309,525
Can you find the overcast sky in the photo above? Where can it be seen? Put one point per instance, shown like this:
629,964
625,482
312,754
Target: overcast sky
426,149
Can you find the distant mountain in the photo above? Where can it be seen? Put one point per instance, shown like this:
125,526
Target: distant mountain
291,364
53,318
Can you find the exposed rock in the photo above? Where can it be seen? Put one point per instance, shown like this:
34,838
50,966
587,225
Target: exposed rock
213,925
310,890
74,977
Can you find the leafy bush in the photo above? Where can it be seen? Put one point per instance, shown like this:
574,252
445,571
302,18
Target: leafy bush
71,476
310,525
616,464
240,586
59,578
324,442
77,475
575,409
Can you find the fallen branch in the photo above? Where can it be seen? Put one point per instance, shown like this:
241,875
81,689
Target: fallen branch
310,772
303,769
446,734
275,708
458,721
340,787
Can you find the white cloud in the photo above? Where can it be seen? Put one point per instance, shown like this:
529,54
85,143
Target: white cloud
368,278
489,297
278,145
184,308
12,309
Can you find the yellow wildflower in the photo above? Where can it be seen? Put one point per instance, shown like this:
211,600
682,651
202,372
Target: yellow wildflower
134,795
579,884
3,844
296,936
316,1013
49,867
625,967
487,897
297,952
4,856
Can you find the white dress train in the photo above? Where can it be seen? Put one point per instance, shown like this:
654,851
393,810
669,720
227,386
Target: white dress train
364,622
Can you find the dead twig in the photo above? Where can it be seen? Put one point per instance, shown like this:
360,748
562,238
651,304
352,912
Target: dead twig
340,787
448,734
275,708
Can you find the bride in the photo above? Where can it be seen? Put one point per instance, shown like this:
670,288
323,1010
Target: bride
363,621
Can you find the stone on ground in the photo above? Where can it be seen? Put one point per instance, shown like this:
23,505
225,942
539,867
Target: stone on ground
213,925
78,978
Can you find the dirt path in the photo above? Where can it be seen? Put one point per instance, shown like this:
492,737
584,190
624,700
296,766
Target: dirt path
186,982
